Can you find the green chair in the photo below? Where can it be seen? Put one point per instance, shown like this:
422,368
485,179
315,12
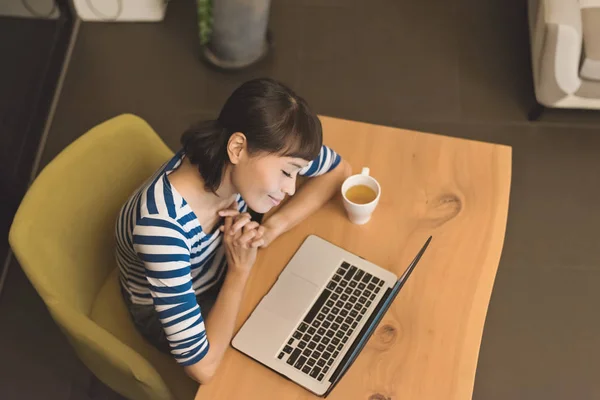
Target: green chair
63,237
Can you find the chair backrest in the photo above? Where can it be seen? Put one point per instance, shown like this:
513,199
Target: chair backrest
63,232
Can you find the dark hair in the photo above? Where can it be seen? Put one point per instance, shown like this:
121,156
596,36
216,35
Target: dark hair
273,118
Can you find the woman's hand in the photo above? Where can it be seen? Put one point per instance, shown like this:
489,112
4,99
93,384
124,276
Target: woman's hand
265,233
272,229
244,221
241,237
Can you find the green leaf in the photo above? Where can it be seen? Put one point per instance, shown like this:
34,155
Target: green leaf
205,20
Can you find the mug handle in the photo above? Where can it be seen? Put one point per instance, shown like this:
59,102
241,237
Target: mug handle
365,171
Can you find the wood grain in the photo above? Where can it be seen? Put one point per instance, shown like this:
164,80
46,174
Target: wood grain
427,345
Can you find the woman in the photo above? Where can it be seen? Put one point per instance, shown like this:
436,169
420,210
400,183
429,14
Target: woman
185,242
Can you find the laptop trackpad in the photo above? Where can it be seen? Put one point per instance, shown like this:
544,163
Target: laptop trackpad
290,297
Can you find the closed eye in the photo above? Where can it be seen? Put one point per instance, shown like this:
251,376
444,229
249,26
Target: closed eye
286,174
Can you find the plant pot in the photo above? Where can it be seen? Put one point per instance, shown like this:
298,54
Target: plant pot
238,36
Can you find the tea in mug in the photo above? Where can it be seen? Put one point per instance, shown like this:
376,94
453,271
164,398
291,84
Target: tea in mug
361,194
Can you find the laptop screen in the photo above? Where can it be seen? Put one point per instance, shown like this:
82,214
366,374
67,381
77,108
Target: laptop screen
373,321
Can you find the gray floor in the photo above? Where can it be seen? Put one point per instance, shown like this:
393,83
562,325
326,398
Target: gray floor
453,67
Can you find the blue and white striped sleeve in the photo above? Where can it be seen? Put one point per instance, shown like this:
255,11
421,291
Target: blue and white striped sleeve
325,162
161,243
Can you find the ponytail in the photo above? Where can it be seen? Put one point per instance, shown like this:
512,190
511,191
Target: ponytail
205,145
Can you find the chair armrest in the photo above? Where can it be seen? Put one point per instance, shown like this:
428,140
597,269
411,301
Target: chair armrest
563,12
556,48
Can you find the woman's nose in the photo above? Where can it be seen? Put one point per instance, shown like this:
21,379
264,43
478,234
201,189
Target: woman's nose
289,187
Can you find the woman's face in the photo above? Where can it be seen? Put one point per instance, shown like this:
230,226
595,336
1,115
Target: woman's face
263,180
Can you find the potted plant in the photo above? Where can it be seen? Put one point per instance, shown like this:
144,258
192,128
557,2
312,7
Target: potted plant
233,33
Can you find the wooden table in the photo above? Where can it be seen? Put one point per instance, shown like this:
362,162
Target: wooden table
427,345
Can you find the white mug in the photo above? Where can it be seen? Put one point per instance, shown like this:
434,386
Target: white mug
360,213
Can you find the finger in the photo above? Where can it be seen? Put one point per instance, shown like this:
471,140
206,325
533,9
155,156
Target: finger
260,231
257,243
238,225
242,215
251,226
233,233
246,237
242,220
228,213
228,223
258,235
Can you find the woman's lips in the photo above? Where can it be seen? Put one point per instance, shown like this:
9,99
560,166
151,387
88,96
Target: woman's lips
274,200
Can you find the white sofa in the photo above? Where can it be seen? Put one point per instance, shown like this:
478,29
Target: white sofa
565,52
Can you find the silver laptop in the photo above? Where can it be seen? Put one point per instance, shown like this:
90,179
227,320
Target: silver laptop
319,314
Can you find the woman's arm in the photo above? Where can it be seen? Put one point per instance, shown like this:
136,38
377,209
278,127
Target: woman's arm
311,196
219,326
221,319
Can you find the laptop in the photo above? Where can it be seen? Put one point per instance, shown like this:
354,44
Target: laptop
319,314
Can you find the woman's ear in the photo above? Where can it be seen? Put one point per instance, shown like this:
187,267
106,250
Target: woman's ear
236,147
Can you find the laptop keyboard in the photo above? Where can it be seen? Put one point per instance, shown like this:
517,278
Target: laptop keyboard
319,338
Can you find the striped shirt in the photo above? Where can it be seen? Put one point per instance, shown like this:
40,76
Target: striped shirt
166,259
